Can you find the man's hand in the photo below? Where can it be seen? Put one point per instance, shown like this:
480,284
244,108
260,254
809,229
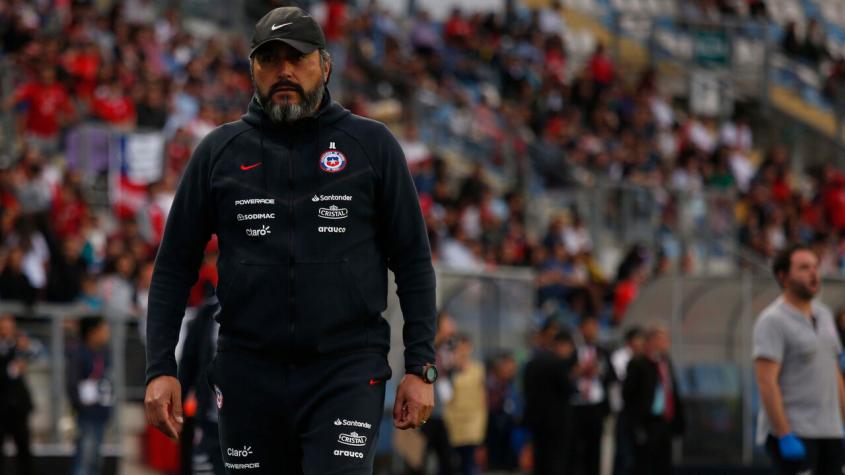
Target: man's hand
163,405
414,402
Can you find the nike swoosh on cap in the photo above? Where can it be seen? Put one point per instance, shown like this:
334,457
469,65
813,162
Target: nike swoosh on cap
276,27
250,167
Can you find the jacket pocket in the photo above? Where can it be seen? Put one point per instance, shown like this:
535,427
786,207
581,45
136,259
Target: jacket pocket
253,300
328,304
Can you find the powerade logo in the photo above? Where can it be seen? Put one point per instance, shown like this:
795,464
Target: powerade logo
255,201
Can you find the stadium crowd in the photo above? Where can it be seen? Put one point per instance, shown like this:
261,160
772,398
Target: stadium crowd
491,111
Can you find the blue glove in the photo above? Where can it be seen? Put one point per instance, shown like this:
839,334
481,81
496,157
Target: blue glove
791,447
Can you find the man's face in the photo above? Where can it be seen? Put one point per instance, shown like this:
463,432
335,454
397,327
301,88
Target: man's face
660,342
590,330
564,349
7,327
289,84
637,344
803,278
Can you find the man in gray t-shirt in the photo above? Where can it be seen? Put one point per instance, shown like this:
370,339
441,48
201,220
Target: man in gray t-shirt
796,350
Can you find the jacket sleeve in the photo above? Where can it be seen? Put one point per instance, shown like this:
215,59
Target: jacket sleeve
408,254
186,233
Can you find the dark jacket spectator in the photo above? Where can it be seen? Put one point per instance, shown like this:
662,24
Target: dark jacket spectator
548,386
653,405
14,284
15,400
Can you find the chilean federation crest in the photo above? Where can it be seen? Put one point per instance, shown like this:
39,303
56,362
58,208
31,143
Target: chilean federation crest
332,160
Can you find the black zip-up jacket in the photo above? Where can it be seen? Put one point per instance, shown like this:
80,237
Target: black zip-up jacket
309,217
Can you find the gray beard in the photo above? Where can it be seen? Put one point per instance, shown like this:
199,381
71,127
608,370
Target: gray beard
287,113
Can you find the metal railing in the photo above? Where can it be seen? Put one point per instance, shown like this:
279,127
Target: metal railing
48,324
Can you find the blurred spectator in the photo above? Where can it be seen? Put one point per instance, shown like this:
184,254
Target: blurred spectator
834,86
601,67
14,284
199,350
623,460
118,289
630,275
91,393
590,403
465,414
757,9
64,280
48,107
790,43
151,112
653,405
435,429
113,106
503,413
814,47
551,19
15,400
548,387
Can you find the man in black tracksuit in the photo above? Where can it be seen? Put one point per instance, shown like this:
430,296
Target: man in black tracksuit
311,206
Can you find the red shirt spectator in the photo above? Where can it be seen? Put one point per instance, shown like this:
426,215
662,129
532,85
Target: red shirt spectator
114,107
626,292
601,68
47,99
335,20
84,66
457,28
68,211
834,201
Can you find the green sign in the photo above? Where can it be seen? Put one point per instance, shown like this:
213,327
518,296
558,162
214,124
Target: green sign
711,48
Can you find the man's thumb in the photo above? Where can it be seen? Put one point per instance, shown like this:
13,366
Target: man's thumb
177,406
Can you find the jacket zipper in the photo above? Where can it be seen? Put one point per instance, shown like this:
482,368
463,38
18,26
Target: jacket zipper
291,261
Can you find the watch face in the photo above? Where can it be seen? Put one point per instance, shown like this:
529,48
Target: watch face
430,374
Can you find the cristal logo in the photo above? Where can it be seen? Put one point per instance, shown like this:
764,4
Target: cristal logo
333,212
352,439
245,452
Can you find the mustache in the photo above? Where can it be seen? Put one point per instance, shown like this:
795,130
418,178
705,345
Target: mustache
285,84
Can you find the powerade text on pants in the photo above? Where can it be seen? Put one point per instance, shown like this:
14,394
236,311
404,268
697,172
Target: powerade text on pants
309,217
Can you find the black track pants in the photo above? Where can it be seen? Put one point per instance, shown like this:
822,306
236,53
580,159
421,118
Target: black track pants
320,417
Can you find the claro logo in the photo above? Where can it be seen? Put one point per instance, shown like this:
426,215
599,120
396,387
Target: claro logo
244,452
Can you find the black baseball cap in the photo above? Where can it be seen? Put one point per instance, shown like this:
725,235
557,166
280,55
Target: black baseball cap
291,25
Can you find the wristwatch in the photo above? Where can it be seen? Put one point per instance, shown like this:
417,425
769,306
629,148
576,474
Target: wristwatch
427,373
